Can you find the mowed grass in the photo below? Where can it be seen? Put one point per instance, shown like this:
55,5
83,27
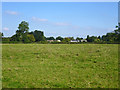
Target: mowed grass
60,66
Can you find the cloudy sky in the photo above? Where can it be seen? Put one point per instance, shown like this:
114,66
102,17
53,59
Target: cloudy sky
66,19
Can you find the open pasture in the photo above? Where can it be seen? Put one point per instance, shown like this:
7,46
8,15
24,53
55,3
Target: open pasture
60,65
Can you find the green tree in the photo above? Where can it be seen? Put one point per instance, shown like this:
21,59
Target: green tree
1,35
22,30
25,38
113,37
50,38
66,39
6,39
31,37
118,32
92,38
79,38
15,37
99,37
59,38
38,35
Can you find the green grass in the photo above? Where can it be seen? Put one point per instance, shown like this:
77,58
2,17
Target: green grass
60,66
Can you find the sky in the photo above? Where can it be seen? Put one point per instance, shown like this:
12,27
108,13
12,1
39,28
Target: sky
66,19
60,0
119,11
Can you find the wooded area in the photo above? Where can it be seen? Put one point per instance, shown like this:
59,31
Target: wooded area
24,36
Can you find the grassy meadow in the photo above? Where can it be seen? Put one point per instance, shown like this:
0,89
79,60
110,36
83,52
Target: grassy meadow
60,65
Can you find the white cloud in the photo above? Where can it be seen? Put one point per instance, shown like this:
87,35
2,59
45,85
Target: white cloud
39,19
5,29
11,12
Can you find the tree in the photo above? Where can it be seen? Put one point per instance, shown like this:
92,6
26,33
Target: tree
118,32
88,38
92,38
15,37
50,38
113,37
99,37
79,38
1,35
59,38
38,35
25,38
6,39
71,38
96,40
22,30
21,33
31,37
66,39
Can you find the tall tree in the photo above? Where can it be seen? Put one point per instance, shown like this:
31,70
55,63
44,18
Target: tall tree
23,28
39,35
1,34
21,33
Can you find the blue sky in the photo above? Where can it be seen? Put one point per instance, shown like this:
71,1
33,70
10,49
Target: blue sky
65,19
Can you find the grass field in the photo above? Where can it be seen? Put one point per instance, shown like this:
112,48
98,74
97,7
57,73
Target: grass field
60,65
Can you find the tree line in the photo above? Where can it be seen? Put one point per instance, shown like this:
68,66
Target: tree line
24,36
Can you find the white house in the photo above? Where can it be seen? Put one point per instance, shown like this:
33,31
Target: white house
74,41
54,40
50,40
58,40
83,40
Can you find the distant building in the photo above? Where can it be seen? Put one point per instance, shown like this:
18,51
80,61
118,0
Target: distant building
58,40
83,40
74,41
54,40
50,40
